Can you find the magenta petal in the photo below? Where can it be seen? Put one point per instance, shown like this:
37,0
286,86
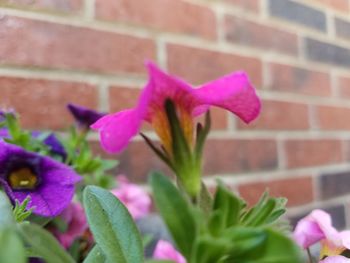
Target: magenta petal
233,92
116,130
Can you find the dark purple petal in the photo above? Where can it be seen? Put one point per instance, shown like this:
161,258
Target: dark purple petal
84,116
55,145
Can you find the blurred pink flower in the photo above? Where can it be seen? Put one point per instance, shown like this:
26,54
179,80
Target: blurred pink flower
335,259
313,228
136,199
74,217
317,226
165,250
233,92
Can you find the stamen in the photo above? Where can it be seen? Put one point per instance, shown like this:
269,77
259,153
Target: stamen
22,179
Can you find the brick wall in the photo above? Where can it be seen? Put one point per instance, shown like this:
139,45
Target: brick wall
297,53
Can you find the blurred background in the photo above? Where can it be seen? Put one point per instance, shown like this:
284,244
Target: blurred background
297,54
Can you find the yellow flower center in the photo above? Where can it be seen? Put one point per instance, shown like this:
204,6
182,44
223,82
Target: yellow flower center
162,128
22,179
328,249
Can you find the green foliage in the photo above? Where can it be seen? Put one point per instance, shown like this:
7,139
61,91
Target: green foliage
42,244
229,232
81,158
176,213
112,226
11,246
95,256
20,212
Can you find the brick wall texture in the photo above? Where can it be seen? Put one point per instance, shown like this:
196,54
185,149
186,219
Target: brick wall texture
297,53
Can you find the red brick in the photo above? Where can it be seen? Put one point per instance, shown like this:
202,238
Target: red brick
298,80
137,161
200,65
41,44
340,5
278,115
122,97
300,153
344,87
290,188
219,119
42,103
333,118
229,156
251,5
66,6
168,15
248,33
221,156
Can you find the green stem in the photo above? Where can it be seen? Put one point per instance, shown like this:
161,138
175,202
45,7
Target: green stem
309,255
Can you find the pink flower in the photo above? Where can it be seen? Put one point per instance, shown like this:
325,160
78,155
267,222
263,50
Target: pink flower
75,218
317,226
335,259
164,250
233,92
313,228
137,201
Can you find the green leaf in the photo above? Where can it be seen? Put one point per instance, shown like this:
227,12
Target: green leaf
11,247
112,226
6,216
176,212
266,211
245,240
277,248
228,207
95,256
209,249
205,200
42,243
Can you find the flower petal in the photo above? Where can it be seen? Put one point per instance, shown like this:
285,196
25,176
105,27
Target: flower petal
233,92
116,130
335,259
315,227
165,250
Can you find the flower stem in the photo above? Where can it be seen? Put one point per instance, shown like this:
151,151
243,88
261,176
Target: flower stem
309,256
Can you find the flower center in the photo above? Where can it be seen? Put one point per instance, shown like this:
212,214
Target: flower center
22,179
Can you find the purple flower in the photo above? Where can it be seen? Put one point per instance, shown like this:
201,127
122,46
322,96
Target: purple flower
50,184
84,116
233,92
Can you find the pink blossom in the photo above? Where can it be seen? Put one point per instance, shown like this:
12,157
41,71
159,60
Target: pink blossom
335,259
317,226
165,250
313,228
233,92
75,218
136,199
